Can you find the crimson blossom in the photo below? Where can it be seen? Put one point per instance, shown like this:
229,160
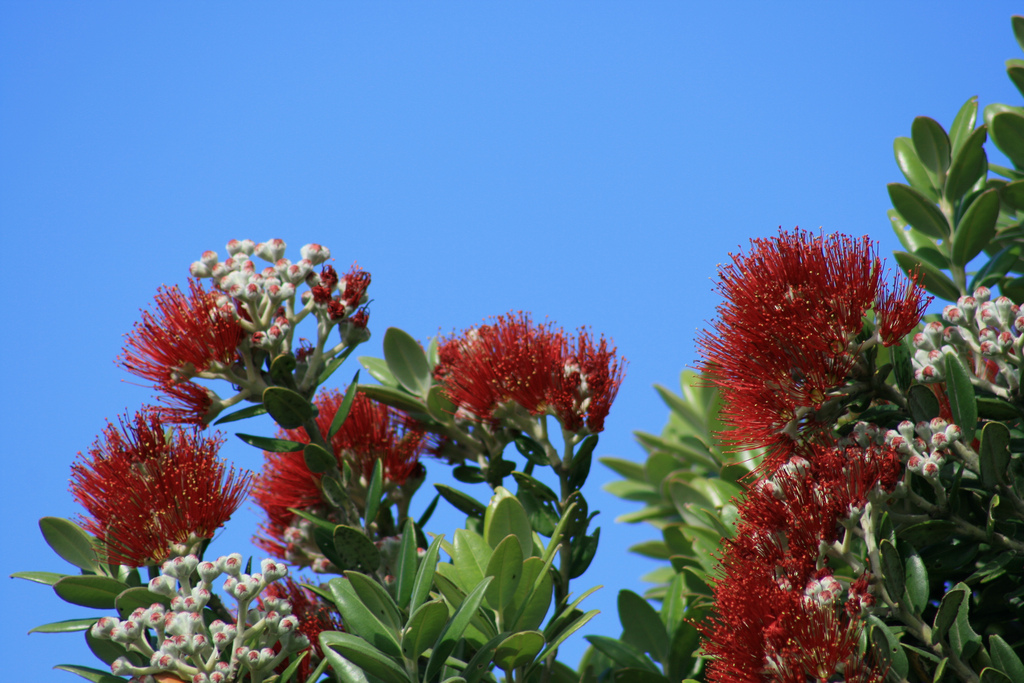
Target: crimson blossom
149,486
185,336
372,431
779,613
785,337
538,367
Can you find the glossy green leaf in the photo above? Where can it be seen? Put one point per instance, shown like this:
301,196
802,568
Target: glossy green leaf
461,501
471,555
90,591
928,532
376,599
532,597
282,369
969,164
407,361
913,170
962,637
947,612
919,211
996,269
683,652
355,550
247,412
518,649
288,408
622,654
579,468
531,450
641,625
396,398
334,492
468,474
922,403
994,454
407,563
344,670
887,646
362,654
45,578
70,542
289,672
976,228
911,239
989,674
425,574
272,445
903,366
961,397
538,488
1005,658
66,626
439,406
318,459
963,124
479,667
1007,130
378,369
506,566
363,619
997,409
374,491
454,629
336,363
918,590
624,468
562,636
90,674
933,279
584,550
892,570
346,405
505,515
425,625
1013,194
140,596
931,144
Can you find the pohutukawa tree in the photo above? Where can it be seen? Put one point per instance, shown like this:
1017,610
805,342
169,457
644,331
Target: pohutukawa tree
840,489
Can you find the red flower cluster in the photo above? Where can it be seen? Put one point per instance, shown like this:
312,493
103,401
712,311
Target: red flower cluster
534,366
371,432
315,616
783,340
778,614
148,486
182,338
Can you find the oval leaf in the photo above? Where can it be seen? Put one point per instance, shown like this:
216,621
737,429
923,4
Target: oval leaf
1007,131
976,228
71,542
407,361
288,408
424,627
90,591
961,397
355,550
506,566
963,124
931,144
933,279
969,164
505,517
912,168
518,649
919,211
318,460
272,445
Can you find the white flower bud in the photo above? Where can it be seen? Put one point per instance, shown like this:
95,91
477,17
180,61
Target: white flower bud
198,269
240,247
315,253
231,564
271,250
164,585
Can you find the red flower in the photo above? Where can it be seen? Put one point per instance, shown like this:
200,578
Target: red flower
785,334
371,432
147,486
534,366
315,616
183,338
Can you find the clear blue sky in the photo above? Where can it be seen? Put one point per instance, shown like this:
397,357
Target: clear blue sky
591,162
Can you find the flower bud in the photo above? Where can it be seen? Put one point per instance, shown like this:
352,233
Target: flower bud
271,250
164,585
198,269
982,294
953,315
240,247
315,253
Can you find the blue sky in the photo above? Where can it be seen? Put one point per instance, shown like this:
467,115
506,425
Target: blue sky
590,162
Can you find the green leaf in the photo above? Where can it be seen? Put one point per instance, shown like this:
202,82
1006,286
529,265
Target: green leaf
66,626
362,654
933,279
622,654
334,492
336,363
374,491
518,649
917,582
90,591
454,629
429,511
425,574
962,638
506,566
641,625
584,550
345,407
926,533
483,661
1007,131
997,409
250,411
140,596
969,164
579,468
358,617
961,397
912,168
624,468
892,570
887,646
468,474
505,515
975,230
355,550
377,599
996,269
378,369
947,612
1013,194
1005,658
318,459
286,675
396,398
407,361
931,144
407,564
288,408
45,578
532,596
470,556
902,365
282,369
424,627
989,674
994,454
461,501
539,489
631,675
963,124
683,651
531,450
90,674
272,445
562,636
70,542
922,403
919,211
